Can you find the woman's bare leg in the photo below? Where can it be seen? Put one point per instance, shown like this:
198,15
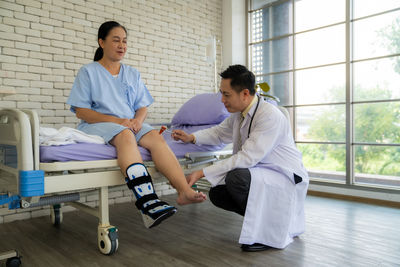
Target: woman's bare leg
168,165
127,149
154,211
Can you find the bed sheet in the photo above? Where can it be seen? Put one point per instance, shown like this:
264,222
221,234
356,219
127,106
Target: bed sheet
89,151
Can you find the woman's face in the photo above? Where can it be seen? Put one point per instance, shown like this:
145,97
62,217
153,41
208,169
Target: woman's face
114,46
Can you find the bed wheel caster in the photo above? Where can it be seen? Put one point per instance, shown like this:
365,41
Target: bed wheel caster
12,258
13,262
56,215
108,239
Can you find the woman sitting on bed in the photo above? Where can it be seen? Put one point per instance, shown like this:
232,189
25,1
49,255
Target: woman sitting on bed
111,100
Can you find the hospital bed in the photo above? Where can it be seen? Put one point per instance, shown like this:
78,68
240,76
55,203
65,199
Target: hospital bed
42,180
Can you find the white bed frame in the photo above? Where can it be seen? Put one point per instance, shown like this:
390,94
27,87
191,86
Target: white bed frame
64,180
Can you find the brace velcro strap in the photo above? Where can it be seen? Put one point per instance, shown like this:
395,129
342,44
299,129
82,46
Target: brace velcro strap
139,203
138,181
154,205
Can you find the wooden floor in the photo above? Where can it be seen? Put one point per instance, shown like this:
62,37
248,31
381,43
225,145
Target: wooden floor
339,233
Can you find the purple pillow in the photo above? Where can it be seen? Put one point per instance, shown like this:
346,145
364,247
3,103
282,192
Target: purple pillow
201,110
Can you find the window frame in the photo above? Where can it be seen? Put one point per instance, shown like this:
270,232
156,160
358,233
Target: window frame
350,179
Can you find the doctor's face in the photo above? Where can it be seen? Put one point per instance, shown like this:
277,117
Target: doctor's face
114,46
232,100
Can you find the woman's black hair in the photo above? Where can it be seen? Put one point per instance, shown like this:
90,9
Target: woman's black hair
104,30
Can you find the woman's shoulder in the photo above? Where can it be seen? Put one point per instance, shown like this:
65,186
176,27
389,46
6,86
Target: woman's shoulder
88,69
90,66
131,71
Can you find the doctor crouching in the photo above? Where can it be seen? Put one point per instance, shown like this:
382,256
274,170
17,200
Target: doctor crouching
264,180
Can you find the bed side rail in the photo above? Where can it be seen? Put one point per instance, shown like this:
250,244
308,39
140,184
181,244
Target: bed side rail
198,158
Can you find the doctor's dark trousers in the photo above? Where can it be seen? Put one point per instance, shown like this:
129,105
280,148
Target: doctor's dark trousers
233,195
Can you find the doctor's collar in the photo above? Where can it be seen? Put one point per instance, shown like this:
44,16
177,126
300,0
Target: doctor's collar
246,111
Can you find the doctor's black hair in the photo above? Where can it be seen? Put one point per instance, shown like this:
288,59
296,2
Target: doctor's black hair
241,77
104,30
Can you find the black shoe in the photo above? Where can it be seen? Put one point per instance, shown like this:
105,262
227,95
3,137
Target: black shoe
254,248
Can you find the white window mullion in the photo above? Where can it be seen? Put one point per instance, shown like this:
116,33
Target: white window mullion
294,72
349,92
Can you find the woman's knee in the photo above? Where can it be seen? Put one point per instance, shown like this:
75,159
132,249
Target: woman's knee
124,138
151,139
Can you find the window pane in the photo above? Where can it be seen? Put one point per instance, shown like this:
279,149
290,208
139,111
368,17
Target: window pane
258,26
316,13
321,85
281,86
363,8
377,165
256,4
377,79
272,56
320,47
272,22
324,161
376,36
281,19
377,122
321,123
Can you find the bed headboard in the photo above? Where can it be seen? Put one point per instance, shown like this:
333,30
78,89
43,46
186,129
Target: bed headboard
15,131
35,124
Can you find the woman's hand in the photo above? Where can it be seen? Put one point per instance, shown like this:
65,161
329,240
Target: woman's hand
181,135
136,125
194,177
125,122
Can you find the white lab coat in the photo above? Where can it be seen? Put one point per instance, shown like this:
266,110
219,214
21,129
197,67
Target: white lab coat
275,206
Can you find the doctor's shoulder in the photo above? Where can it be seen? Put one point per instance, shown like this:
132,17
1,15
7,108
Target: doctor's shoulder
270,114
267,109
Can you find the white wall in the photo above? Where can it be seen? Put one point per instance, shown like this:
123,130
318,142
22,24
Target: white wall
234,25
44,43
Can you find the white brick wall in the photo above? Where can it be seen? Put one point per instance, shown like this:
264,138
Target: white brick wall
44,43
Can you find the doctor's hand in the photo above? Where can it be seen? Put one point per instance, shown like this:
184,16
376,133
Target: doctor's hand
181,135
194,177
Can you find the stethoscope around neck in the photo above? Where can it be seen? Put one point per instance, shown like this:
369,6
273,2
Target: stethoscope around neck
252,117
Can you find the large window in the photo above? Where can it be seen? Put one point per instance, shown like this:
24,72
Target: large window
335,65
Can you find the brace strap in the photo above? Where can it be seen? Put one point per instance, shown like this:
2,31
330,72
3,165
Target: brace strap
154,205
139,203
138,181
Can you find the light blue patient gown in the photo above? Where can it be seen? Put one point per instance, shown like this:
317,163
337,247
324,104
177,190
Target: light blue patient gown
95,88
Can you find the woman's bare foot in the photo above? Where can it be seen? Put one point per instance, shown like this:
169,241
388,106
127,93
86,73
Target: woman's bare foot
190,196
